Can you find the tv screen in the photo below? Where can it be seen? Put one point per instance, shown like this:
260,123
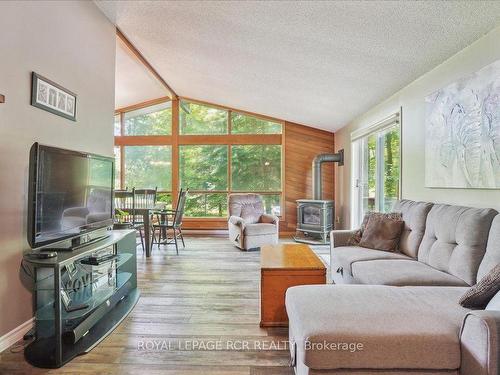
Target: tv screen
71,194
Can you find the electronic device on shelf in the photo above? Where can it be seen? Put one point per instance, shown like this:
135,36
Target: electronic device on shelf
97,260
42,255
81,306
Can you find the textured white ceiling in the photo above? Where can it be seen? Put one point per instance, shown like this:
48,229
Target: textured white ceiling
313,62
133,82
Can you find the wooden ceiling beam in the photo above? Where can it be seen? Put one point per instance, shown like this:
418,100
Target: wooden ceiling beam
140,105
145,62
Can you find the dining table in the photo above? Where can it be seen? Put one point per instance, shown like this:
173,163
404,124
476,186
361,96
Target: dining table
146,213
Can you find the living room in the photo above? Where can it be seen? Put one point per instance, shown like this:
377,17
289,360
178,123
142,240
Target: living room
211,179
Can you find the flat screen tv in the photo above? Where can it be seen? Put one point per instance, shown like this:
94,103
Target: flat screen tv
70,194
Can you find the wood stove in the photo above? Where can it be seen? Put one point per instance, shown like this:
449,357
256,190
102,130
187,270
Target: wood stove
314,220
315,216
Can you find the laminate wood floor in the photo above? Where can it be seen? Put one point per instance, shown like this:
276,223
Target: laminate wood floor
198,314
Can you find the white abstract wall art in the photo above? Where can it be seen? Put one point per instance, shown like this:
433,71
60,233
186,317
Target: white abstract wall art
462,148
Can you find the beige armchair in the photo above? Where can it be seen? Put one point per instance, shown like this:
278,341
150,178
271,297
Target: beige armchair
249,226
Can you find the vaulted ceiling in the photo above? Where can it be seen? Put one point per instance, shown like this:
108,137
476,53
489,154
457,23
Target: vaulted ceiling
312,62
134,83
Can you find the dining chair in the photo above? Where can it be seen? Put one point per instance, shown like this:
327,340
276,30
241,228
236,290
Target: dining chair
125,201
170,220
146,198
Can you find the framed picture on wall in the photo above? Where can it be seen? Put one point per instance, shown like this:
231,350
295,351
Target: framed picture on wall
52,97
462,132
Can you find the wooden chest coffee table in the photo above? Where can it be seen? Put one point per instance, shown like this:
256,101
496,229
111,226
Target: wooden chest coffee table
283,266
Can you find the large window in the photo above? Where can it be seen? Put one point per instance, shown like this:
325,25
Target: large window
201,119
148,167
203,167
214,153
376,169
118,167
256,168
118,125
244,124
153,120
206,205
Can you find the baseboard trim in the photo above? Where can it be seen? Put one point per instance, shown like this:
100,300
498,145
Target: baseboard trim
225,232
206,232
10,338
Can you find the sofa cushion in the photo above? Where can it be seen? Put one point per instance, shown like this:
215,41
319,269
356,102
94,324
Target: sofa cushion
357,234
416,327
260,229
414,215
382,232
455,239
480,294
345,256
399,272
494,303
492,255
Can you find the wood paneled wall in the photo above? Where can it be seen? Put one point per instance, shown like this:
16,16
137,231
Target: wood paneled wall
302,144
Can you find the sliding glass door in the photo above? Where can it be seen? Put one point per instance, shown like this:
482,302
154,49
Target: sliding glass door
376,171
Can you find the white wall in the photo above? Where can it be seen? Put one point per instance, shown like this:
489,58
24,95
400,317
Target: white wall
73,44
411,98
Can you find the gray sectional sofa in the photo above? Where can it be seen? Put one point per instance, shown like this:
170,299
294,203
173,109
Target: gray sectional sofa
402,309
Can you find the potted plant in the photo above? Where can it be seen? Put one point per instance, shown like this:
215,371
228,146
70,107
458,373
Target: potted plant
120,217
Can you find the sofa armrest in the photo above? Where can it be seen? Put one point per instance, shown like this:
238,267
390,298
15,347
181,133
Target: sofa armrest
340,237
480,343
269,219
236,227
238,221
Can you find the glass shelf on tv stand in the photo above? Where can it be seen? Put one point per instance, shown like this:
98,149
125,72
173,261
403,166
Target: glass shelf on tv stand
85,273
88,296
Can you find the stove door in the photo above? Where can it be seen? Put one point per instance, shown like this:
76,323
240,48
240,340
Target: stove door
312,215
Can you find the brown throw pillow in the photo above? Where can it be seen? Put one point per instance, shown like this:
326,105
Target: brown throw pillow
478,296
355,239
382,232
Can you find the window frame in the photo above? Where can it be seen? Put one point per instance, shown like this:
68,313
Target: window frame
176,140
358,137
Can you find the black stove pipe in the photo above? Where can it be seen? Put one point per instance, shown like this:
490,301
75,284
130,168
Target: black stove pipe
316,170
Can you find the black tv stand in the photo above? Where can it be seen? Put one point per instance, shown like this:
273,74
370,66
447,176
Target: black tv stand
76,244
89,242
71,319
